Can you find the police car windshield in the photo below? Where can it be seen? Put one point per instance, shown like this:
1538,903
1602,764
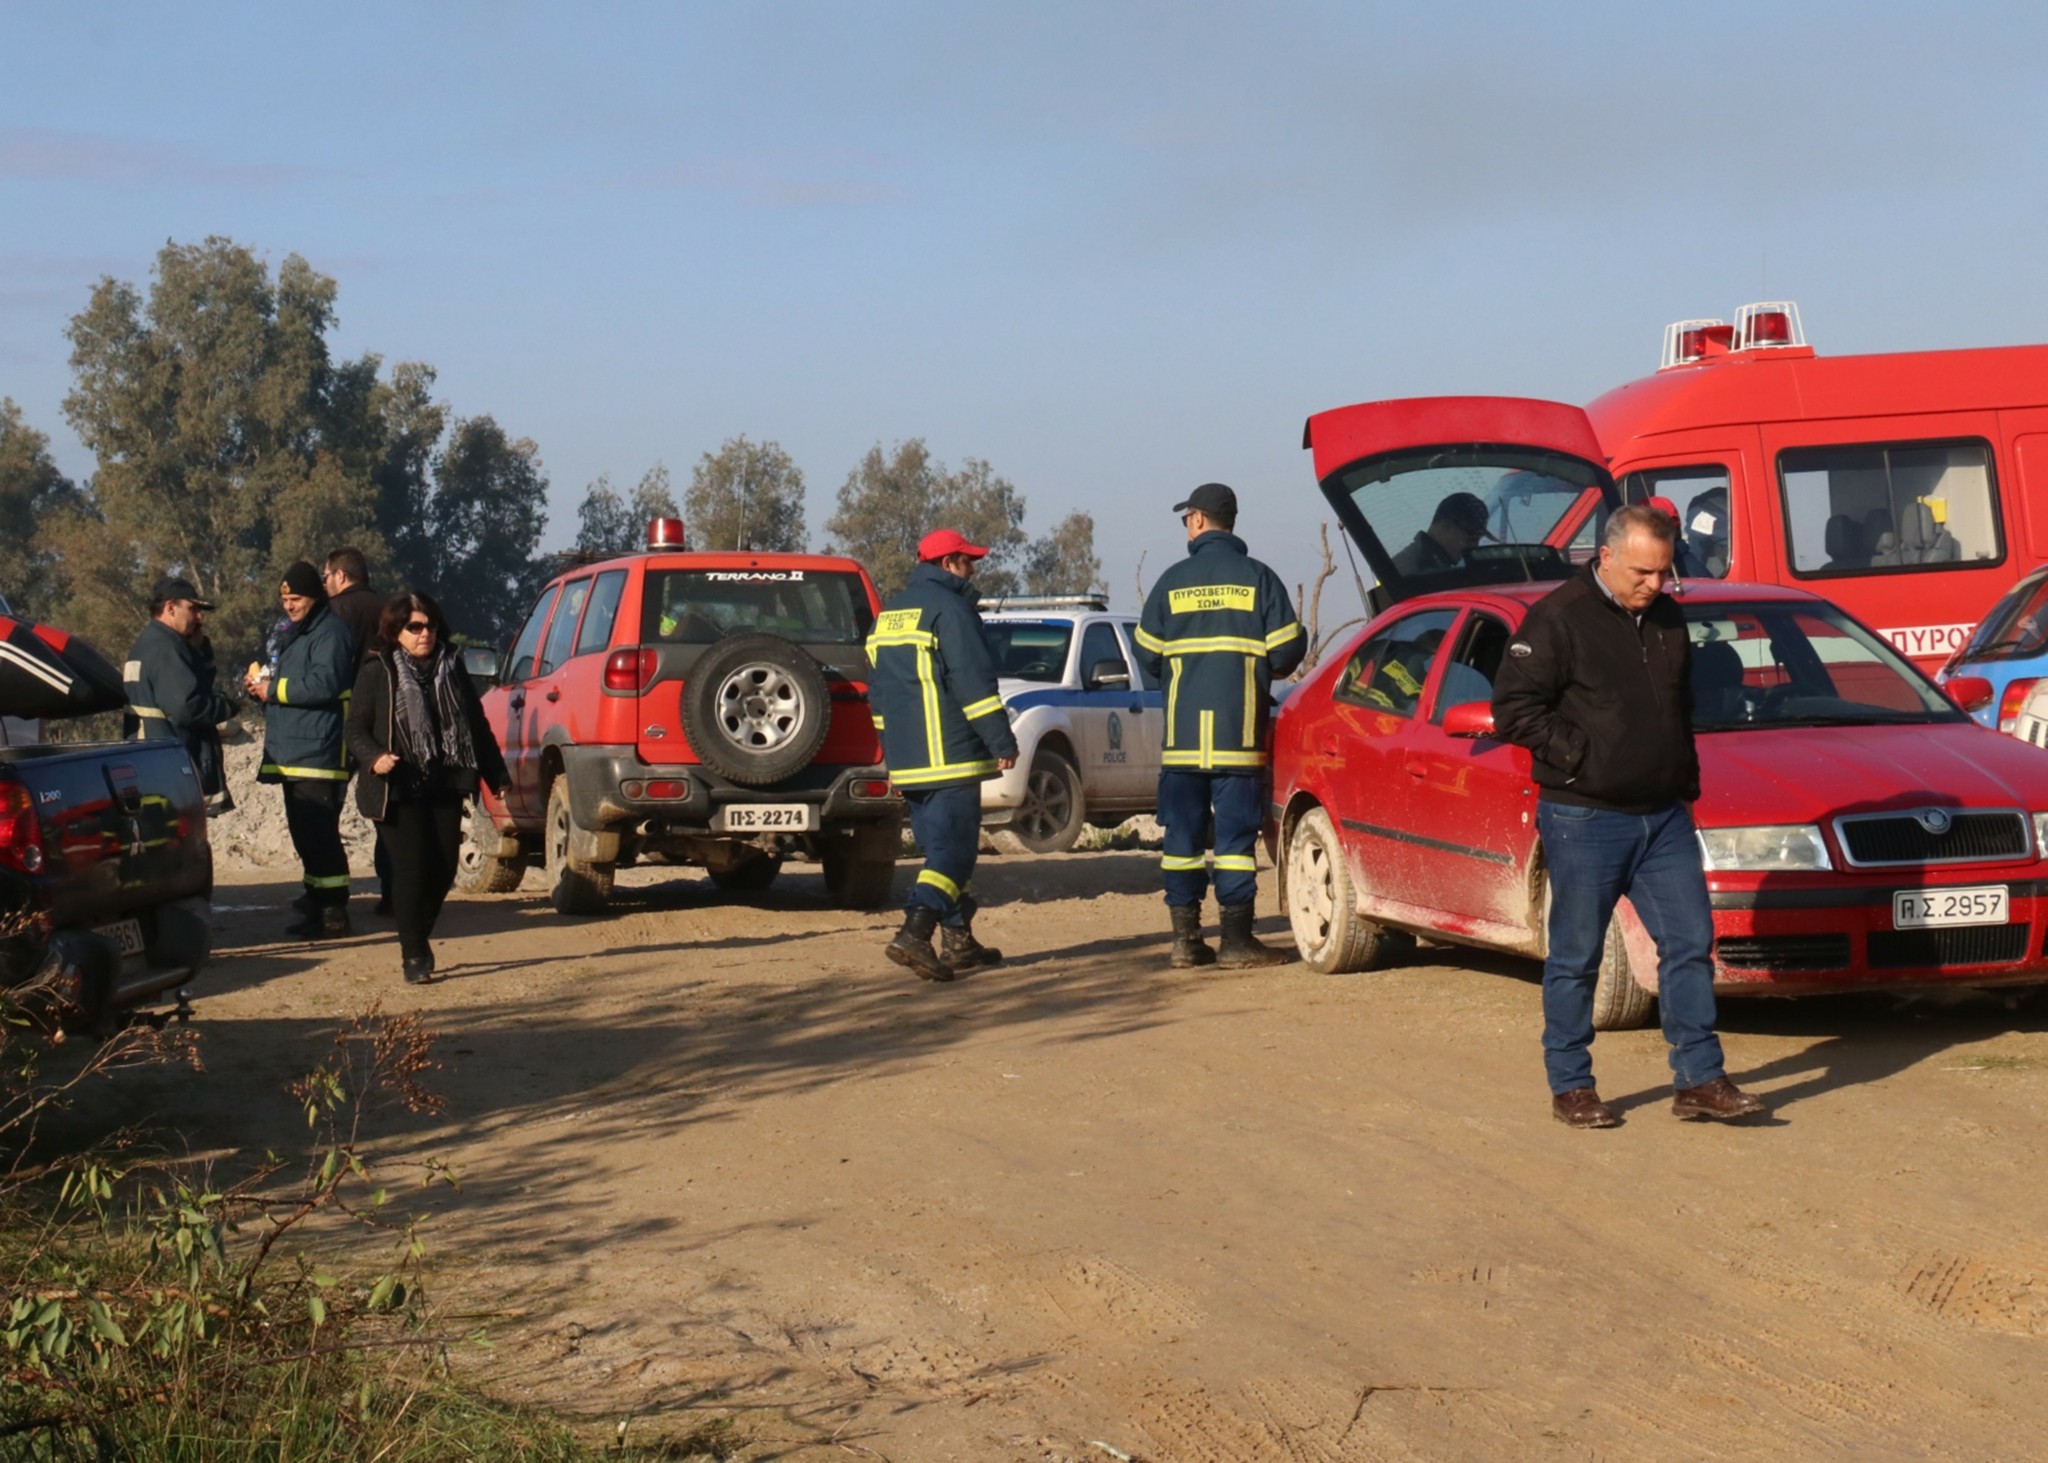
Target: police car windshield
1756,666
1030,650
810,606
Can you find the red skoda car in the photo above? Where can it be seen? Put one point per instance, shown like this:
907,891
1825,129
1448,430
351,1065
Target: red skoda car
1859,830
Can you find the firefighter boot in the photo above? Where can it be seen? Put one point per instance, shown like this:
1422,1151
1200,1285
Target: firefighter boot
912,947
959,949
322,922
1239,949
1188,949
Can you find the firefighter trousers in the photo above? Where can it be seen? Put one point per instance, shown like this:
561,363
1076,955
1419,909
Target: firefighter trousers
312,814
946,821
1205,810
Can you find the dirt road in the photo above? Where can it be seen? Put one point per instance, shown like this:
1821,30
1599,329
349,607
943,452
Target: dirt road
728,1159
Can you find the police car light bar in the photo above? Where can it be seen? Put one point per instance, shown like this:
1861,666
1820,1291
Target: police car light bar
1768,325
1686,341
665,533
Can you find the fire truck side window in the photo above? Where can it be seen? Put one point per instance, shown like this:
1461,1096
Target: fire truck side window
1876,510
1700,494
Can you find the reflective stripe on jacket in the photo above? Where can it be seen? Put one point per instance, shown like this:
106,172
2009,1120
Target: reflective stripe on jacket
170,691
306,702
934,695
1217,627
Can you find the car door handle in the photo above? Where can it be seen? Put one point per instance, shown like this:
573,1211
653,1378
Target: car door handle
555,693
1415,767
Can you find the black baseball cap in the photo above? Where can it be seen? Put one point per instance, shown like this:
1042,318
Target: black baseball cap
170,589
1467,511
1212,499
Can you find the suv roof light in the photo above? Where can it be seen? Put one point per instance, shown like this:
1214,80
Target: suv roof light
665,533
1686,341
1767,325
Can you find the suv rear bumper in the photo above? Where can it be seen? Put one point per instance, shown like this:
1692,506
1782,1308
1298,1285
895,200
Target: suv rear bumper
598,800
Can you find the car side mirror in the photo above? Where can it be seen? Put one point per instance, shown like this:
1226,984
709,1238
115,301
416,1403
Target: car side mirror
482,663
1971,693
1473,719
1107,673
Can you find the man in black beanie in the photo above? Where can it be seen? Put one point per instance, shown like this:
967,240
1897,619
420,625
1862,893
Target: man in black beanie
304,702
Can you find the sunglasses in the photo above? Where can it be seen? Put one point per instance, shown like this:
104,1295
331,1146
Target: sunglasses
418,627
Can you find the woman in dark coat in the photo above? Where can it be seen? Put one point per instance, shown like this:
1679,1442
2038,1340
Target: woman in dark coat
418,731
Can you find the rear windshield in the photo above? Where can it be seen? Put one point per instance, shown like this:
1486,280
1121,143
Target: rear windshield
1030,650
698,606
1771,665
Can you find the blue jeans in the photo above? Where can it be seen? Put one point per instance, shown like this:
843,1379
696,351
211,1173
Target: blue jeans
1204,808
1594,857
946,822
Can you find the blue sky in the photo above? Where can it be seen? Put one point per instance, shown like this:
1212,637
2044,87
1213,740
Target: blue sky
1116,250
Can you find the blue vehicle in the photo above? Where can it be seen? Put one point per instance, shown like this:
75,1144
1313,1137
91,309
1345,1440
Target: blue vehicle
2009,648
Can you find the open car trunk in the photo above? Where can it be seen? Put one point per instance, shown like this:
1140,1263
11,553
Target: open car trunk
1453,491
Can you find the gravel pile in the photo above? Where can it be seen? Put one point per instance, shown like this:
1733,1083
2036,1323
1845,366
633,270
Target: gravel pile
254,834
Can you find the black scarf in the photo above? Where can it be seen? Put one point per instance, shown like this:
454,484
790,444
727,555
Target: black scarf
430,733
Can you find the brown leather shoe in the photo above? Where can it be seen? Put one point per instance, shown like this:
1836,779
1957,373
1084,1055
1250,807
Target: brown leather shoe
1583,1109
1719,1099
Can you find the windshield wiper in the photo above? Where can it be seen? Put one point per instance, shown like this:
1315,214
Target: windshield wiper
2010,642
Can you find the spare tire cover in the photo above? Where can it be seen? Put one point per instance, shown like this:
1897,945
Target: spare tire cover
47,672
756,709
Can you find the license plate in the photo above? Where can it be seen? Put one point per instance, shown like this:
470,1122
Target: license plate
1920,909
769,818
126,934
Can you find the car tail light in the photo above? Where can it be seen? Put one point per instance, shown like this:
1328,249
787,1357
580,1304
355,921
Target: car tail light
666,789
871,789
2015,697
21,837
629,670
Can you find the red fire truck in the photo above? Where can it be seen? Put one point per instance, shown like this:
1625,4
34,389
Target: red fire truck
1910,489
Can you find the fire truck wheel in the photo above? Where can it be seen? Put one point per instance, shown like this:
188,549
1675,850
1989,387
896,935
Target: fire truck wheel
575,886
1322,903
477,872
756,709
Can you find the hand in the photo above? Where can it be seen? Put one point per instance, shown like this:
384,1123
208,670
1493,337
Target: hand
1006,763
385,765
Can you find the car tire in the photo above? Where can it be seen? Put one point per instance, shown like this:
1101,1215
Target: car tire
575,886
1619,1002
860,865
1322,902
477,872
1051,817
756,709
750,876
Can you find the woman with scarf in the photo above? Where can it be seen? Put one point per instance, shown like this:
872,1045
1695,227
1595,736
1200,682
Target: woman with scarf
417,728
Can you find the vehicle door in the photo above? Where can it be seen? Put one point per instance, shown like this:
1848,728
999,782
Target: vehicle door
1451,492
542,710
1104,710
1145,728
1473,798
505,708
1369,747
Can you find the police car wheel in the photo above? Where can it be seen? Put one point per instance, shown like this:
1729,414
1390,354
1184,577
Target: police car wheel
1051,817
1322,903
756,709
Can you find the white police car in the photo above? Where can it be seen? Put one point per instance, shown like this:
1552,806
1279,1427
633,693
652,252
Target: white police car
1088,721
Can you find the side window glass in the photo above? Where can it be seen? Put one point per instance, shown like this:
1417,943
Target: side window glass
603,608
520,666
1146,680
1869,510
1700,494
562,630
1387,673
1468,676
1099,643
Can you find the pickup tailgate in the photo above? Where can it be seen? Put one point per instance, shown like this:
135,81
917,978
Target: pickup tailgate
120,827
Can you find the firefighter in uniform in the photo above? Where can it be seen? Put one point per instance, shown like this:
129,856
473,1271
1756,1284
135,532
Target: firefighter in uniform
305,702
944,733
170,686
1217,627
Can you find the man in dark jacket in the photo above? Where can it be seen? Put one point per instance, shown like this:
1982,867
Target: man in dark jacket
302,745
1217,627
346,578
944,733
1598,687
170,685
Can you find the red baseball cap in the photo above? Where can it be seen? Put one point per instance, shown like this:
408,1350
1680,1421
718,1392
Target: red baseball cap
943,542
1664,506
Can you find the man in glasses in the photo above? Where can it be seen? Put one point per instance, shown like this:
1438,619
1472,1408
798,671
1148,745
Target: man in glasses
1217,628
346,578
170,685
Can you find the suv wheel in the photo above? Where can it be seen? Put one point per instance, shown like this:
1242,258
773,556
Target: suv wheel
756,709
575,886
1050,817
477,872
860,864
